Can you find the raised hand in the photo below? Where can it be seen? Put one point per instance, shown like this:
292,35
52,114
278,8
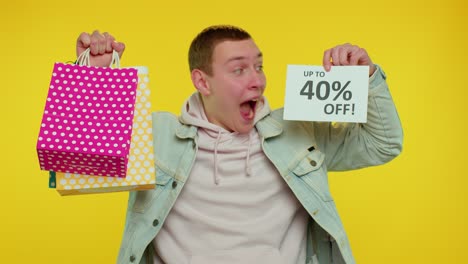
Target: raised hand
347,54
101,47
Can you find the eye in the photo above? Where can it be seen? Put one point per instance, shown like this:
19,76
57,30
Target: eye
259,68
238,71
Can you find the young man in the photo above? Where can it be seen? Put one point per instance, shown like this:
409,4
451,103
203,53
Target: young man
235,182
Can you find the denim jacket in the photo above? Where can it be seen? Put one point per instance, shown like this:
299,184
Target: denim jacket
302,152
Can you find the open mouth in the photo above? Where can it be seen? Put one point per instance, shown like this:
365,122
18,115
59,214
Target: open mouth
247,109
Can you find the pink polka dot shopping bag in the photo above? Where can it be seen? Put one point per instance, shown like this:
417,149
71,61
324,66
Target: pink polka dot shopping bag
88,119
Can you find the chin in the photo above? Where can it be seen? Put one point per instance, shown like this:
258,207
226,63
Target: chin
244,129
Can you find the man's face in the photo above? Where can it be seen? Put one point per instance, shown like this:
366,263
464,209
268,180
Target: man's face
236,85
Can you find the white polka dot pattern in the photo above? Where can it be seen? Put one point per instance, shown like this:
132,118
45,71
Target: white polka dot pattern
140,171
87,123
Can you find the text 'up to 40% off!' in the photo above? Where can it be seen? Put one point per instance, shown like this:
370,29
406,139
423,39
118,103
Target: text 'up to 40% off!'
340,95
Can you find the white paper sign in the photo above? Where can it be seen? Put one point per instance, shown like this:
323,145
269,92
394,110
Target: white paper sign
339,95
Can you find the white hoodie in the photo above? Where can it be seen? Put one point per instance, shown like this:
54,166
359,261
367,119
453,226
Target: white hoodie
234,208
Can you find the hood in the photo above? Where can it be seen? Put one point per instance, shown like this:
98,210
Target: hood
193,113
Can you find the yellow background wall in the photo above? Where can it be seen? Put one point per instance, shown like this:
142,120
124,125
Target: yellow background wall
412,210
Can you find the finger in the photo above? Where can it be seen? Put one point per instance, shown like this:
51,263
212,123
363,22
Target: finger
354,53
343,57
364,58
84,39
82,43
102,44
335,55
356,56
97,43
343,54
93,46
326,60
109,39
119,47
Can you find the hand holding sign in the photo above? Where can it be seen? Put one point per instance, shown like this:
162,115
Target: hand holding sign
347,54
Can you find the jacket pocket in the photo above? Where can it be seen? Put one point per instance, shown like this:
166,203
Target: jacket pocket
144,199
312,171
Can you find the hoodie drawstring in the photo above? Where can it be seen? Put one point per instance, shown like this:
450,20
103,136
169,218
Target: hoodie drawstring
248,170
216,176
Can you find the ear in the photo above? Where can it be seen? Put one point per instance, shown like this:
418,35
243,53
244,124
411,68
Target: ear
199,80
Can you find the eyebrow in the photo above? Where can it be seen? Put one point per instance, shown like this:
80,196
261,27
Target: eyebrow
259,55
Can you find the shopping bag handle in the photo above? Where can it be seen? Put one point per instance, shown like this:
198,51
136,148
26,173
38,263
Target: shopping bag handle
83,58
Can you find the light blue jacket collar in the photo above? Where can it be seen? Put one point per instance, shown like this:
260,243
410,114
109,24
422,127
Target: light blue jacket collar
184,131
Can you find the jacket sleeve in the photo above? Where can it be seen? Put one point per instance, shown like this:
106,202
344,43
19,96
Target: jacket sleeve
355,145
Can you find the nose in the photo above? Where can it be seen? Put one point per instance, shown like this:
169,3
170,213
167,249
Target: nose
258,80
